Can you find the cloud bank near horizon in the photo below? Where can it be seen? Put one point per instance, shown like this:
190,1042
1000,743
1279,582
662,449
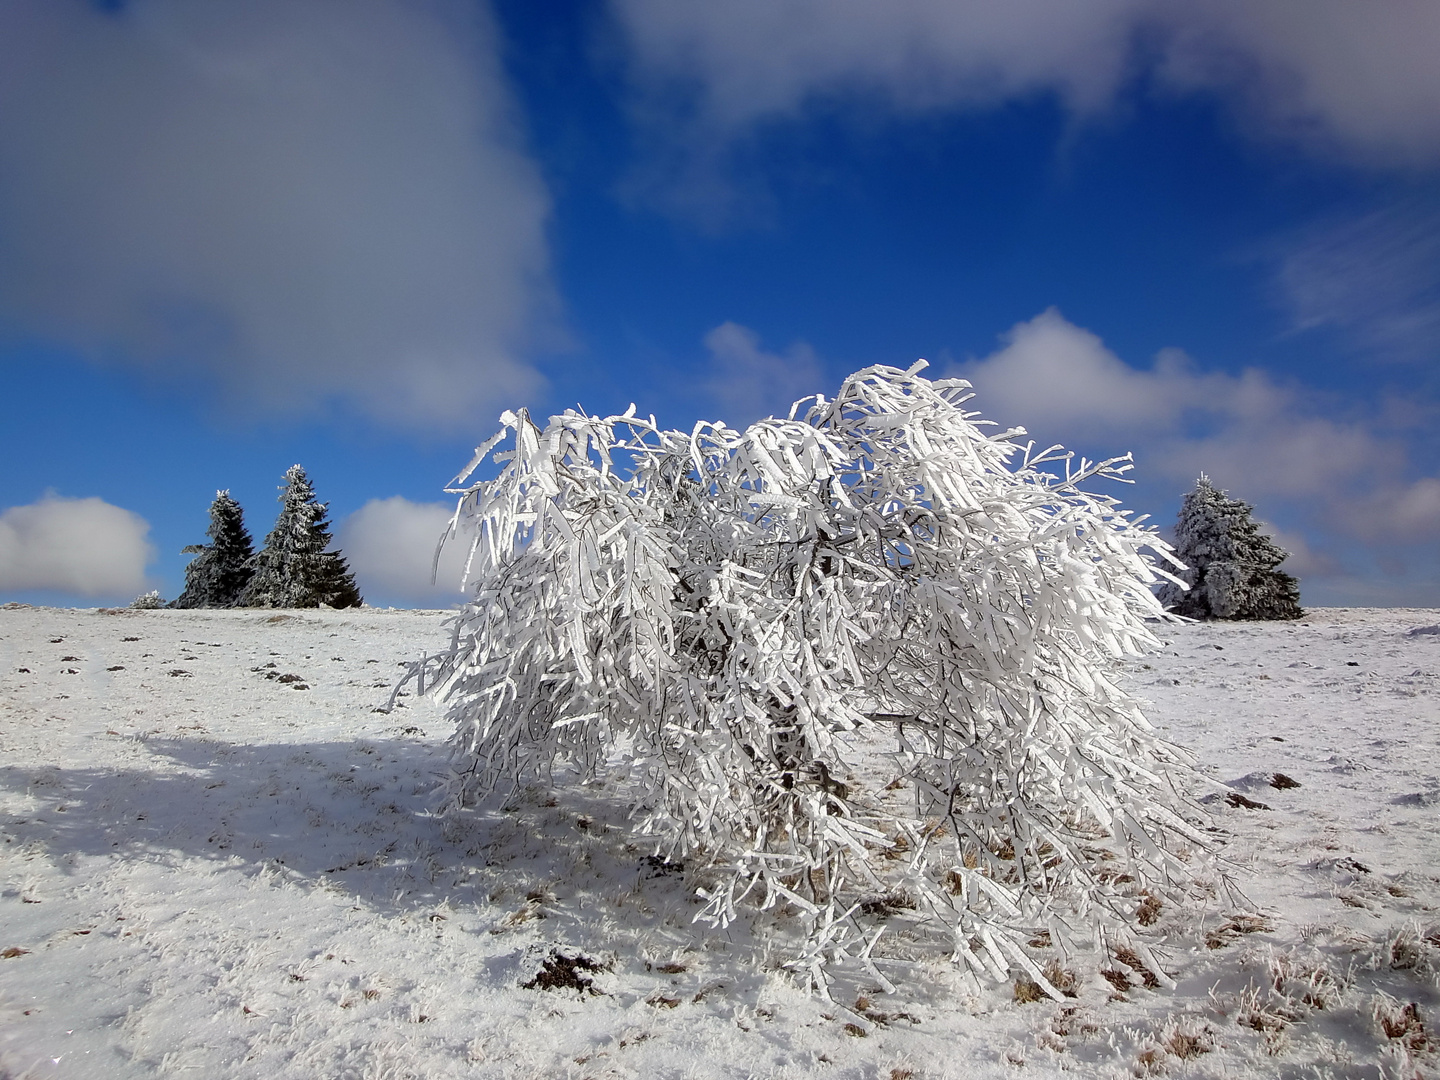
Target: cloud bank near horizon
390,545
315,201
83,547
1271,443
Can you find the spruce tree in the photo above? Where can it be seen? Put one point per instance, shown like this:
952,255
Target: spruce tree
294,570
220,570
1232,566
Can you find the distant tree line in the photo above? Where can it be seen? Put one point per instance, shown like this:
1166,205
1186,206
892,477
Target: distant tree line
295,568
1231,569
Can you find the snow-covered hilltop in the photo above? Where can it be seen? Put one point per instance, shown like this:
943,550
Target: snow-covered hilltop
215,854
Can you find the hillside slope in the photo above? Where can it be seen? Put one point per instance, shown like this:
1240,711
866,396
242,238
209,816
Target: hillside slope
216,856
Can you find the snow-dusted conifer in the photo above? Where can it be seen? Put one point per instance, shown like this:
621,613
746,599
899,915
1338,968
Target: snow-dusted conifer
217,575
719,620
1232,566
295,569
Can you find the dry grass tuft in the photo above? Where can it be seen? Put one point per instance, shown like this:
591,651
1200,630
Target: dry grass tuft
1131,959
563,972
1237,925
866,1008
1186,1045
892,903
1402,1023
1411,949
1028,991
1184,1039
1063,979
1118,979
1069,1021
1148,913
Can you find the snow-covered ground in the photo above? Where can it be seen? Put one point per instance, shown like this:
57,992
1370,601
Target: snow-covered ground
216,860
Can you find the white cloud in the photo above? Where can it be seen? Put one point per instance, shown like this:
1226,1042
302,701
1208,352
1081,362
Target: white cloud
754,58
390,545
745,382
1264,440
86,547
1358,80
310,199
1055,376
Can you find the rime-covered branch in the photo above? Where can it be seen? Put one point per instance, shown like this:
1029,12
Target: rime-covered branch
720,617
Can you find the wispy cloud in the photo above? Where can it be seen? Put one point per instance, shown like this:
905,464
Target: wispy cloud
1375,276
308,199
83,547
1358,81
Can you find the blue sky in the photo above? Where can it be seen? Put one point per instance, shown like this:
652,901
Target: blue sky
350,232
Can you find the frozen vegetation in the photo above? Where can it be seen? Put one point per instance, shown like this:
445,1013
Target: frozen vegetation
717,620
217,857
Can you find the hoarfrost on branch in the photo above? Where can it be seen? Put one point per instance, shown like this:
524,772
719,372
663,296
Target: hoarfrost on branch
722,619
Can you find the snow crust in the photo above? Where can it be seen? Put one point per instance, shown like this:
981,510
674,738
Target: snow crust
215,865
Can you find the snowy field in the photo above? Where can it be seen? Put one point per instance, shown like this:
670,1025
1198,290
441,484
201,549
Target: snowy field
217,861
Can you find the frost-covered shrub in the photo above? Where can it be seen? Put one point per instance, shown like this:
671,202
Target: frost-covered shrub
147,601
1231,566
722,619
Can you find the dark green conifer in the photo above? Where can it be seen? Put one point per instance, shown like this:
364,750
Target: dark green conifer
295,569
217,575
